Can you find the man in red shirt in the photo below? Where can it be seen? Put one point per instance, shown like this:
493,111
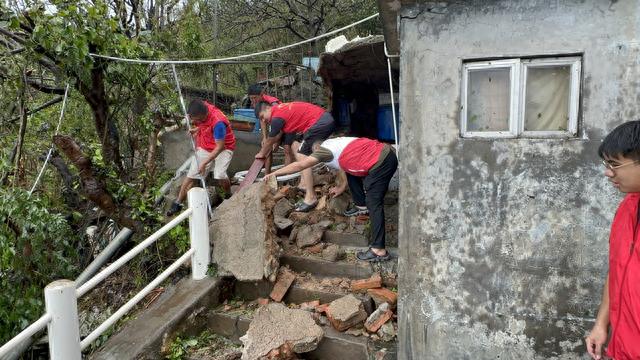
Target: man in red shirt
620,306
369,165
288,119
215,143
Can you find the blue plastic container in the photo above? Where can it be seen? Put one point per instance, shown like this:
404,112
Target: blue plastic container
247,115
385,123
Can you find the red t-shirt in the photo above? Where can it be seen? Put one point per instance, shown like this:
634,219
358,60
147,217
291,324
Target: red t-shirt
204,137
297,116
359,156
624,282
270,99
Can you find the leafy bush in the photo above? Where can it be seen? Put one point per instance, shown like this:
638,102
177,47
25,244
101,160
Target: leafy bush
36,248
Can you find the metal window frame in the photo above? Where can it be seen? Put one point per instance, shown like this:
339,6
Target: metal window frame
574,96
514,70
518,77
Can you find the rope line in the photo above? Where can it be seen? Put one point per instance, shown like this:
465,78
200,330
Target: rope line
64,105
213,61
193,144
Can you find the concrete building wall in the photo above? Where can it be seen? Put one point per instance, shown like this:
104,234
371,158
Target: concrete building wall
504,243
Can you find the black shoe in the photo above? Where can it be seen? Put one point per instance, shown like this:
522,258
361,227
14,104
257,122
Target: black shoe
356,210
370,256
304,207
175,208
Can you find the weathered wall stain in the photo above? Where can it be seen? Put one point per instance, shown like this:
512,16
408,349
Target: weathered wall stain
503,243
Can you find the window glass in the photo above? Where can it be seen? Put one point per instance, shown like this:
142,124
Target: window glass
546,105
488,100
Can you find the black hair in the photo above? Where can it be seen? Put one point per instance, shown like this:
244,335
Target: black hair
624,140
261,105
254,89
197,107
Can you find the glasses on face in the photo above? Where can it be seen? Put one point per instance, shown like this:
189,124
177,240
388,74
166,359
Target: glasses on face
610,166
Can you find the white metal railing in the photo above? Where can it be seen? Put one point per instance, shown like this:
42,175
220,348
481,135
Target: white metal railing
61,296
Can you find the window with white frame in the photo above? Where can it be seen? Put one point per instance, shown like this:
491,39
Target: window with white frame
521,97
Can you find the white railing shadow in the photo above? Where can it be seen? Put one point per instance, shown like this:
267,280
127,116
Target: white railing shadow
61,296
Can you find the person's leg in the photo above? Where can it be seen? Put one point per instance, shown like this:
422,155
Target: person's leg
376,185
357,194
187,184
189,181
306,180
221,165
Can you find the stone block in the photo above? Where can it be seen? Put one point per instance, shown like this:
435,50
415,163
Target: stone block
308,235
378,318
346,312
243,235
282,208
275,325
282,224
338,205
332,252
375,281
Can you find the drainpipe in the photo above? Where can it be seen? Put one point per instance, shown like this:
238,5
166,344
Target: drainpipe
104,256
393,105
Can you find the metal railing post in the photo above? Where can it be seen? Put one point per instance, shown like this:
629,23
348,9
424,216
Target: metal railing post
199,232
64,333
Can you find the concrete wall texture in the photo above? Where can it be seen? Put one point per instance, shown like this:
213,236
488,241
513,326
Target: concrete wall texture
504,243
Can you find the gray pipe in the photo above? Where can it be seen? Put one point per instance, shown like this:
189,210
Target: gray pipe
104,256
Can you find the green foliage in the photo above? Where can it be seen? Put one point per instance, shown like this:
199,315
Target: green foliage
37,246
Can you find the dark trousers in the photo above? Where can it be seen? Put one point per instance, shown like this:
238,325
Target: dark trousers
369,191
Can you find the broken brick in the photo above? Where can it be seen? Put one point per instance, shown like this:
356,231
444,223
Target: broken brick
262,301
383,295
322,309
322,203
375,281
283,283
310,305
316,249
378,318
282,192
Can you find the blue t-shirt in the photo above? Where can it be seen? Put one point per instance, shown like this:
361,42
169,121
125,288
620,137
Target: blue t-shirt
219,131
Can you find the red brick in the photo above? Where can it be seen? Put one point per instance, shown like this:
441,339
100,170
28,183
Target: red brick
383,295
283,282
378,318
282,192
322,309
263,301
374,281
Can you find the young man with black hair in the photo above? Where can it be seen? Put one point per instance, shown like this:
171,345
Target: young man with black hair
620,306
369,165
215,143
289,119
257,94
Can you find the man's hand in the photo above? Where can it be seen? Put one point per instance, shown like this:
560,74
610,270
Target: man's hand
193,131
267,177
595,341
335,191
260,155
202,168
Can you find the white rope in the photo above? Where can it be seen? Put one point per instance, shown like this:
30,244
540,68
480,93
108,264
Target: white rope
64,105
193,144
205,61
393,103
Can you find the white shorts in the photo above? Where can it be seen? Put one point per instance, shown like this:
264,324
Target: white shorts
221,164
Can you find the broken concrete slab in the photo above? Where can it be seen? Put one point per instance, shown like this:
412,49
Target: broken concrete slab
308,235
332,252
346,312
274,325
282,224
284,281
282,208
382,314
338,205
243,236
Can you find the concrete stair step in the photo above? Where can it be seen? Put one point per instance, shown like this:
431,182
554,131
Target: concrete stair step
296,294
324,268
345,239
334,344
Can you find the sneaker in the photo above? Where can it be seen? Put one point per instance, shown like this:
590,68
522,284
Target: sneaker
356,210
174,209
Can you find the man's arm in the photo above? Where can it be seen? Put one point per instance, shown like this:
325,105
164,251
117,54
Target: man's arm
341,184
295,167
600,331
267,145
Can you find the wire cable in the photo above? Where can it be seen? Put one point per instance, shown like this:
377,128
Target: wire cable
213,61
64,105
